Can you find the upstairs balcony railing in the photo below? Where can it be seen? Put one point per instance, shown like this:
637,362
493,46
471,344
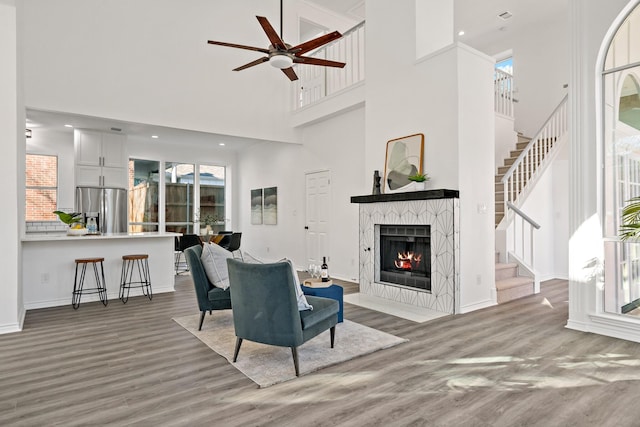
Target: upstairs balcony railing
503,93
316,82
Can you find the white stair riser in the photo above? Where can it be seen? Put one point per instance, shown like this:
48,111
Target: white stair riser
514,293
505,273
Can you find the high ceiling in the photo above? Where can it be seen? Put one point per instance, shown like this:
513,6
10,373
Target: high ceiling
479,19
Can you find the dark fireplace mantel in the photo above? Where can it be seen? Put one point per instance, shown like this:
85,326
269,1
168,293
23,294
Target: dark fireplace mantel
409,195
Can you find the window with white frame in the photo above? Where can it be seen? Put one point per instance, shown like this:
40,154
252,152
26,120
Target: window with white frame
621,166
41,187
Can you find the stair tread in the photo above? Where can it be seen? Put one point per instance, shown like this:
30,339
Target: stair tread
513,282
505,265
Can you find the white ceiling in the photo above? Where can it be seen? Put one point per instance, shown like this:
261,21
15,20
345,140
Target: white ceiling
56,121
479,20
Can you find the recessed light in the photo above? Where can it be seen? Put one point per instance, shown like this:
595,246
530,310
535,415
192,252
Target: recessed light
461,33
221,144
68,126
155,136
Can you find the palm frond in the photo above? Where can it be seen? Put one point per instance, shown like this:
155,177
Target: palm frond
630,227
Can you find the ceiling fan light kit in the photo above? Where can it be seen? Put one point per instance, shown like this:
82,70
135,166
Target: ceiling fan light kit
282,55
280,60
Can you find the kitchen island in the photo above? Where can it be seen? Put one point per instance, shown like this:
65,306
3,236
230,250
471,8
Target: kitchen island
48,265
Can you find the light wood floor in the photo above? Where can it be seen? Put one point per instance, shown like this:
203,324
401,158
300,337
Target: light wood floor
510,365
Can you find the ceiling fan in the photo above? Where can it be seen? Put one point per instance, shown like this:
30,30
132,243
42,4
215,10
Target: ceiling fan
282,55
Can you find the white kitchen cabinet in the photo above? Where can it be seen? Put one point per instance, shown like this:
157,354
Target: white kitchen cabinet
101,177
88,145
100,158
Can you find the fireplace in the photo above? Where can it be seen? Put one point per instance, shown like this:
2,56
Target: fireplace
405,255
434,217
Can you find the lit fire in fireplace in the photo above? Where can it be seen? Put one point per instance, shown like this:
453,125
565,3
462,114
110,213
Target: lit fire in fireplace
406,260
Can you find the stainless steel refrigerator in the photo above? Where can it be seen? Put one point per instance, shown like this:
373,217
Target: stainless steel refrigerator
110,205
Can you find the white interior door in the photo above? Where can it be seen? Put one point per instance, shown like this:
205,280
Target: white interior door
318,202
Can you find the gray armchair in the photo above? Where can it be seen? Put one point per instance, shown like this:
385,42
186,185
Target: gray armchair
265,308
209,297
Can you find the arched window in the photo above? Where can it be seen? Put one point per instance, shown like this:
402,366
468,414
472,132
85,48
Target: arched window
621,157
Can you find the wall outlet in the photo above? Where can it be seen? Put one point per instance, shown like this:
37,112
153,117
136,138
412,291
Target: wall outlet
267,248
479,279
44,279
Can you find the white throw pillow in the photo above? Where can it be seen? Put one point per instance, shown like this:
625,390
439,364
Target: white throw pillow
214,260
302,300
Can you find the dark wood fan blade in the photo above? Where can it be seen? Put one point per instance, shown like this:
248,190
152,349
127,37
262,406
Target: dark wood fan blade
274,38
239,46
317,61
315,43
290,73
252,63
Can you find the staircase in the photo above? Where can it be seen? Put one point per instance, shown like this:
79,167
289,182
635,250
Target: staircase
513,182
509,285
522,143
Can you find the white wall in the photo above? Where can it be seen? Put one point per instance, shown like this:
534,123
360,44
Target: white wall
336,144
447,96
541,68
475,168
401,99
12,172
560,224
433,25
150,63
548,205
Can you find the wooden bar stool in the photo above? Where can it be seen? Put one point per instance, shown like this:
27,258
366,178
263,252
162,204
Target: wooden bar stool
129,263
78,287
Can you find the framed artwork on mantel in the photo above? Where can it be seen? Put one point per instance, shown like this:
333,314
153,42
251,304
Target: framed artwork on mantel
403,159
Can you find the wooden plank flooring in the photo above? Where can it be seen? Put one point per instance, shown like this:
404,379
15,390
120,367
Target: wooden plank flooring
510,365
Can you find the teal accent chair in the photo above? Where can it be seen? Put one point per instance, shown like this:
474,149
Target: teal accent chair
209,297
265,308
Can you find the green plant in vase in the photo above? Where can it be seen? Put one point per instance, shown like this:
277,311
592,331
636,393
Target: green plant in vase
206,222
419,177
73,219
420,180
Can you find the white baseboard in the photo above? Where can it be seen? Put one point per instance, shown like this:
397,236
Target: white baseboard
8,328
92,297
477,306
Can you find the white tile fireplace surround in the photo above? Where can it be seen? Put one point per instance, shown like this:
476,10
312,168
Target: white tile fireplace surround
436,208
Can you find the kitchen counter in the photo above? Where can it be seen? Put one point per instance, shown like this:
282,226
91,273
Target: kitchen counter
43,237
48,264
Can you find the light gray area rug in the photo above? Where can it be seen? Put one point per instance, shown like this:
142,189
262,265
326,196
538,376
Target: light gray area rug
267,365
